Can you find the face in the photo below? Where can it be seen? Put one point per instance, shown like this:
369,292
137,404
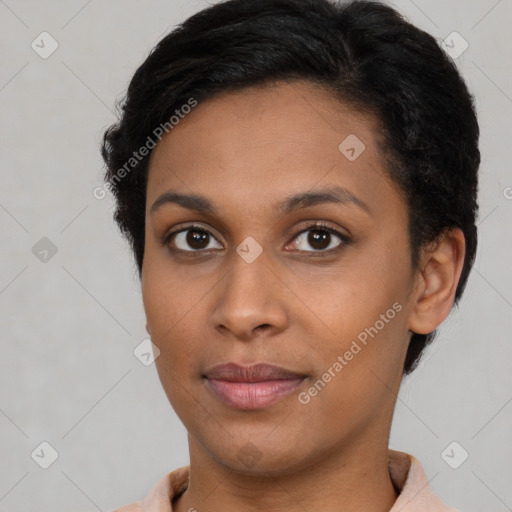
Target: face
297,256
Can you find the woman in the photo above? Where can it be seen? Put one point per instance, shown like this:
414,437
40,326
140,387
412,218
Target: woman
298,180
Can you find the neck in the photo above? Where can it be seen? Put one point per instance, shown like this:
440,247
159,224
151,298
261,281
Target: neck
353,479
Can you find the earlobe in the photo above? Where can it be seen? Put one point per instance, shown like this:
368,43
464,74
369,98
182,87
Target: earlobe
147,329
439,273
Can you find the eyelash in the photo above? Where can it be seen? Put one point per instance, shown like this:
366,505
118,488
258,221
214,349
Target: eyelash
316,226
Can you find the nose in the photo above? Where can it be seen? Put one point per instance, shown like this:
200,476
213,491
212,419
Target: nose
251,299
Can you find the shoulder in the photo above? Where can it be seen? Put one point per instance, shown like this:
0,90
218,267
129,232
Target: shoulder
412,484
161,495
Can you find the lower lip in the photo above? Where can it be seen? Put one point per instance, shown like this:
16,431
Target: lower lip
253,395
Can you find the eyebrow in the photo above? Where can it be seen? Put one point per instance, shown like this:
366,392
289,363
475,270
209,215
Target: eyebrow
336,195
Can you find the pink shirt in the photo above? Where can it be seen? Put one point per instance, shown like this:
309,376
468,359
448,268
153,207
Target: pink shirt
405,471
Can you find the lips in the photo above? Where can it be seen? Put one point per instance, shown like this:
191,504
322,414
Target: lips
260,372
251,387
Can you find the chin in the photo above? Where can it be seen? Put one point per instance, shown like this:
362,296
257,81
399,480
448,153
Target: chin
251,458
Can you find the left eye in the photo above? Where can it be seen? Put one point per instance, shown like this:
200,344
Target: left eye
320,238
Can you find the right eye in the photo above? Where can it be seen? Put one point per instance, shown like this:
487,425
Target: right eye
190,239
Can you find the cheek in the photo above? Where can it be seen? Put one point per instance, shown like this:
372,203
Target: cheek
167,309
355,381
360,316
166,297
344,302
170,326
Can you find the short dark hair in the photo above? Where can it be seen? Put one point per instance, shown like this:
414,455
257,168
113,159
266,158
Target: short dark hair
366,54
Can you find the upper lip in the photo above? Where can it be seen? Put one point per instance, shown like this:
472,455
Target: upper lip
260,372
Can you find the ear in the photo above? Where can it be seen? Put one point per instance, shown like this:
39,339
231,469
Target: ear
439,272
148,330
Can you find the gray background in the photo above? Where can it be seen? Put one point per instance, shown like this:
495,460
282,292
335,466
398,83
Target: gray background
68,375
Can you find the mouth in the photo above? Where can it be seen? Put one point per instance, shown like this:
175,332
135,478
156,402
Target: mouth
251,387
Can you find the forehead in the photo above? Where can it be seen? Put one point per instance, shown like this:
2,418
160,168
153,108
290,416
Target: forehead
261,144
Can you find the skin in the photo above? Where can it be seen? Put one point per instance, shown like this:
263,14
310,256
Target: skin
246,152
